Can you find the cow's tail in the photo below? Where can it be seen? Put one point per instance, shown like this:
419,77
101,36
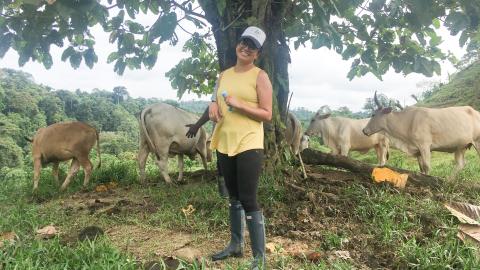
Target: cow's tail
98,150
145,132
28,139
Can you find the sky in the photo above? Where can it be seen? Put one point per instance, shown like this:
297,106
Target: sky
317,77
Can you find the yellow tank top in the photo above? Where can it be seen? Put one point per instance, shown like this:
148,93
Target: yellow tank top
236,132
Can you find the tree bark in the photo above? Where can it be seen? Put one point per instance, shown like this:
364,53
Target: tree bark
315,157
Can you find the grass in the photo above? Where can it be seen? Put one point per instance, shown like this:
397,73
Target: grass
416,230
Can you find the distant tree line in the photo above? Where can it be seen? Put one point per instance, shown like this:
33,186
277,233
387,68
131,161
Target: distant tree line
26,106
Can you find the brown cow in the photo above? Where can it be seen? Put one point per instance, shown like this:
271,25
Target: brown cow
62,142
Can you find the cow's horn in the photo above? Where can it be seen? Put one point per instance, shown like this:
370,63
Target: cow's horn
376,100
398,105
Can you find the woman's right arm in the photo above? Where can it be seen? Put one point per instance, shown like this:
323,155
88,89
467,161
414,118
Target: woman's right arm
213,110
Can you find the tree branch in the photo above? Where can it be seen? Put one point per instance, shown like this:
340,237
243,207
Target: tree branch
242,9
188,11
185,30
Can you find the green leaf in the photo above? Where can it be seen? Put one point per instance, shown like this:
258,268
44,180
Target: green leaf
456,22
154,7
75,60
47,60
434,39
112,57
128,42
463,38
67,53
320,41
164,27
144,6
119,66
90,57
436,23
437,68
349,52
421,38
134,27
5,43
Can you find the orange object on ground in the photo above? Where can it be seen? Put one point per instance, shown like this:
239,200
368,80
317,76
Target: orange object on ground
399,180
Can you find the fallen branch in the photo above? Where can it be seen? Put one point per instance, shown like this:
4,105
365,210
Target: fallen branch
315,157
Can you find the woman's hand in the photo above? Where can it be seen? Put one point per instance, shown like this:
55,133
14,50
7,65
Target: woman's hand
214,112
233,102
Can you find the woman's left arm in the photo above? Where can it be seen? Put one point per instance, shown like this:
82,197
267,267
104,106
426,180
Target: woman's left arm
264,92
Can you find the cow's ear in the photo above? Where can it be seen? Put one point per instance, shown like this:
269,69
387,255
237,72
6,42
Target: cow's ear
387,110
325,116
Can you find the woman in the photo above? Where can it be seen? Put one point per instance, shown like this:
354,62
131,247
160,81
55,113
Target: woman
243,102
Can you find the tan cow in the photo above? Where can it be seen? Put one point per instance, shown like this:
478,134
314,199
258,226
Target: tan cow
343,135
296,139
294,135
162,132
417,131
61,142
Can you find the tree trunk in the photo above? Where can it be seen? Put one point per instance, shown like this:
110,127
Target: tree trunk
274,58
315,157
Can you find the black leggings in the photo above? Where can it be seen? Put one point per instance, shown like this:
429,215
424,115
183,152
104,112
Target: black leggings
241,173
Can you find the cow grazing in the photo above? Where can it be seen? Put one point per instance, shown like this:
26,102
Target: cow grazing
296,139
294,135
162,131
418,131
62,142
343,135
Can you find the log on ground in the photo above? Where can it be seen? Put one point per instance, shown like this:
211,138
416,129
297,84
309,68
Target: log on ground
314,157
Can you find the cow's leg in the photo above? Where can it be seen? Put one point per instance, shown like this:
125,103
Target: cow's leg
378,151
420,162
344,150
87,169
383,154
425,156
55,173
180,167
459,162
71,173
162,163
37,167
476,144
142,159
204,161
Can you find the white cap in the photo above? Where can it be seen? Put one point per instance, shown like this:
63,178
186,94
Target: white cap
255,34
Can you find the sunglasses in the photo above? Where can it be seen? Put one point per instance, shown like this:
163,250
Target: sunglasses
247,43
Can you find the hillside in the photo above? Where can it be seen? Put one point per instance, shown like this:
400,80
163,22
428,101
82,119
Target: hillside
463,89
26,106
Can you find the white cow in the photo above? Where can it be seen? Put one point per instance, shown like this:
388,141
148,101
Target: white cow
296,139
343,135
418,131
162,131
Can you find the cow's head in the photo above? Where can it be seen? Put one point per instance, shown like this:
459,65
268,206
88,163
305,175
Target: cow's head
304,142
378,120
314,128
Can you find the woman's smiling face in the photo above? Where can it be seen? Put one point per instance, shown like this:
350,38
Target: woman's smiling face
246,50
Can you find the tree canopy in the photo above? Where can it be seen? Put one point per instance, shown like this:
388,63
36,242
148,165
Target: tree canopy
375,34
